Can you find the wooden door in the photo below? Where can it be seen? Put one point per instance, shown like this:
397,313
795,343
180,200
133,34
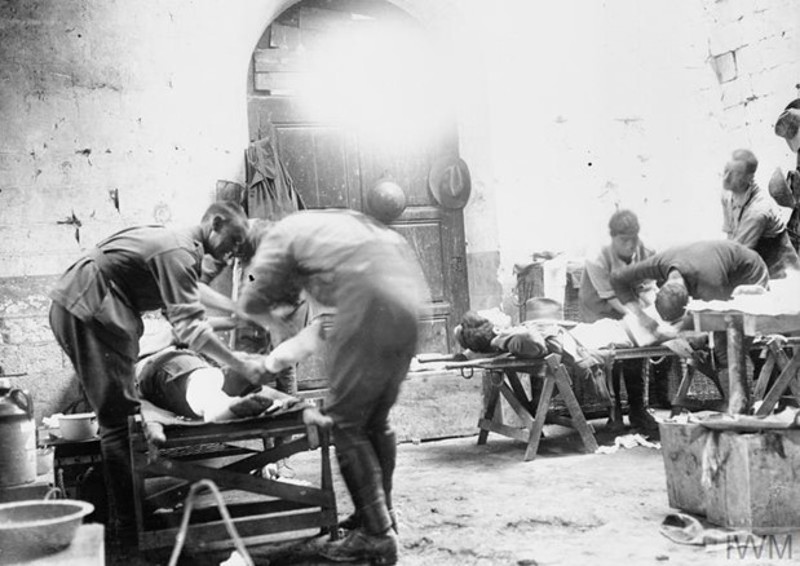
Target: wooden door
334,164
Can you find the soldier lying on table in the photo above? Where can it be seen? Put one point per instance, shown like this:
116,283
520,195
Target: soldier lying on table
185,383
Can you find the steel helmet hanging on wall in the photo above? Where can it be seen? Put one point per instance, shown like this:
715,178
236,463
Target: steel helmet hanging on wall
386,200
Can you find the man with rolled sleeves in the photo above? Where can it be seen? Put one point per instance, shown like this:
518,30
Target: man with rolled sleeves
598,300
96,318
708,270
368,273
752,218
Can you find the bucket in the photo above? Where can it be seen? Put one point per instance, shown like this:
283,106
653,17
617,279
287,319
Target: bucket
17,438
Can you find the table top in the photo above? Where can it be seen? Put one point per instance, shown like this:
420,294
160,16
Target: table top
752,324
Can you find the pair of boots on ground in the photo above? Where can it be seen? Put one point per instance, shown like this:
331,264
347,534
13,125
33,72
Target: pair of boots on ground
367,465
639,417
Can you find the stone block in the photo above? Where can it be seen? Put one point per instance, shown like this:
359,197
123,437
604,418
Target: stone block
725,67
52,390
28,329
737,92
25,295
725,38
749,59
25,358
728,12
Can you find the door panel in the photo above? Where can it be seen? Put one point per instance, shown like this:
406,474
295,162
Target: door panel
320,161
336,166
425,237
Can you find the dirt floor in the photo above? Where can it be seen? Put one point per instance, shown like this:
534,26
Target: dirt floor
461,504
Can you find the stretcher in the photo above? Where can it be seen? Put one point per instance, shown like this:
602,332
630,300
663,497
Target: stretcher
534,409
230,454
550,379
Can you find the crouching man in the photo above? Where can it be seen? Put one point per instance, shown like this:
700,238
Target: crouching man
349,261
96,319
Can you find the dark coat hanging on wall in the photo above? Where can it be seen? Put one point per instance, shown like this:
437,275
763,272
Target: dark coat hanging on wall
270,191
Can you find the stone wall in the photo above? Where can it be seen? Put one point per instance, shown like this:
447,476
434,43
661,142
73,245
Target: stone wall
112,113
115,113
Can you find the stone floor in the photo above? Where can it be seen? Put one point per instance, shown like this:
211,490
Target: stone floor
463,504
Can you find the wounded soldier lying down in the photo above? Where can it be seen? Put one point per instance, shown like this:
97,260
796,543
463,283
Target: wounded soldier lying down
183,382
535,339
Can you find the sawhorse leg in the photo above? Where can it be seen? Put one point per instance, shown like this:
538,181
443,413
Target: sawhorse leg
788,374
496,381
556,375
578,420
541,415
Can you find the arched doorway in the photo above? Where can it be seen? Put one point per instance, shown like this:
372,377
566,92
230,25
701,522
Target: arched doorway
352,92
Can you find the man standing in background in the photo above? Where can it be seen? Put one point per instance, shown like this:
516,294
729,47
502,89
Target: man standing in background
598,300
751,218
786,190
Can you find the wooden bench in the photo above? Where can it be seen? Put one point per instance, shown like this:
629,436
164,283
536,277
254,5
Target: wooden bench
231,455
533,412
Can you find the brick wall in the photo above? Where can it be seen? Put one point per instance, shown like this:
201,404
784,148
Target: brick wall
755,54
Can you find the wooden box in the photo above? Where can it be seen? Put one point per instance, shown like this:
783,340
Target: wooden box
682,448
755,486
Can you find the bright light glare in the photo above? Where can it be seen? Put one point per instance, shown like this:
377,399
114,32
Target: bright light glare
381,79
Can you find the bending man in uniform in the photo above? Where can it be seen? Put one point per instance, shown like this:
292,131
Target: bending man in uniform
96,318
349,261
706,271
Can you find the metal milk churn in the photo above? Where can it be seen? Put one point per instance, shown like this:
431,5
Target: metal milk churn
17,436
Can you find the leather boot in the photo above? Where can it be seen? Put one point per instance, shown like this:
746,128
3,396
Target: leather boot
119,485
359,545
353,521
638,416
615,425
384,442
372,541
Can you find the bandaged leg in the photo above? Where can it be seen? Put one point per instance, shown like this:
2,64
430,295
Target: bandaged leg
205,396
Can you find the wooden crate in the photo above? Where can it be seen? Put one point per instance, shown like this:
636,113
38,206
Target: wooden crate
753,485
683,464
756,487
